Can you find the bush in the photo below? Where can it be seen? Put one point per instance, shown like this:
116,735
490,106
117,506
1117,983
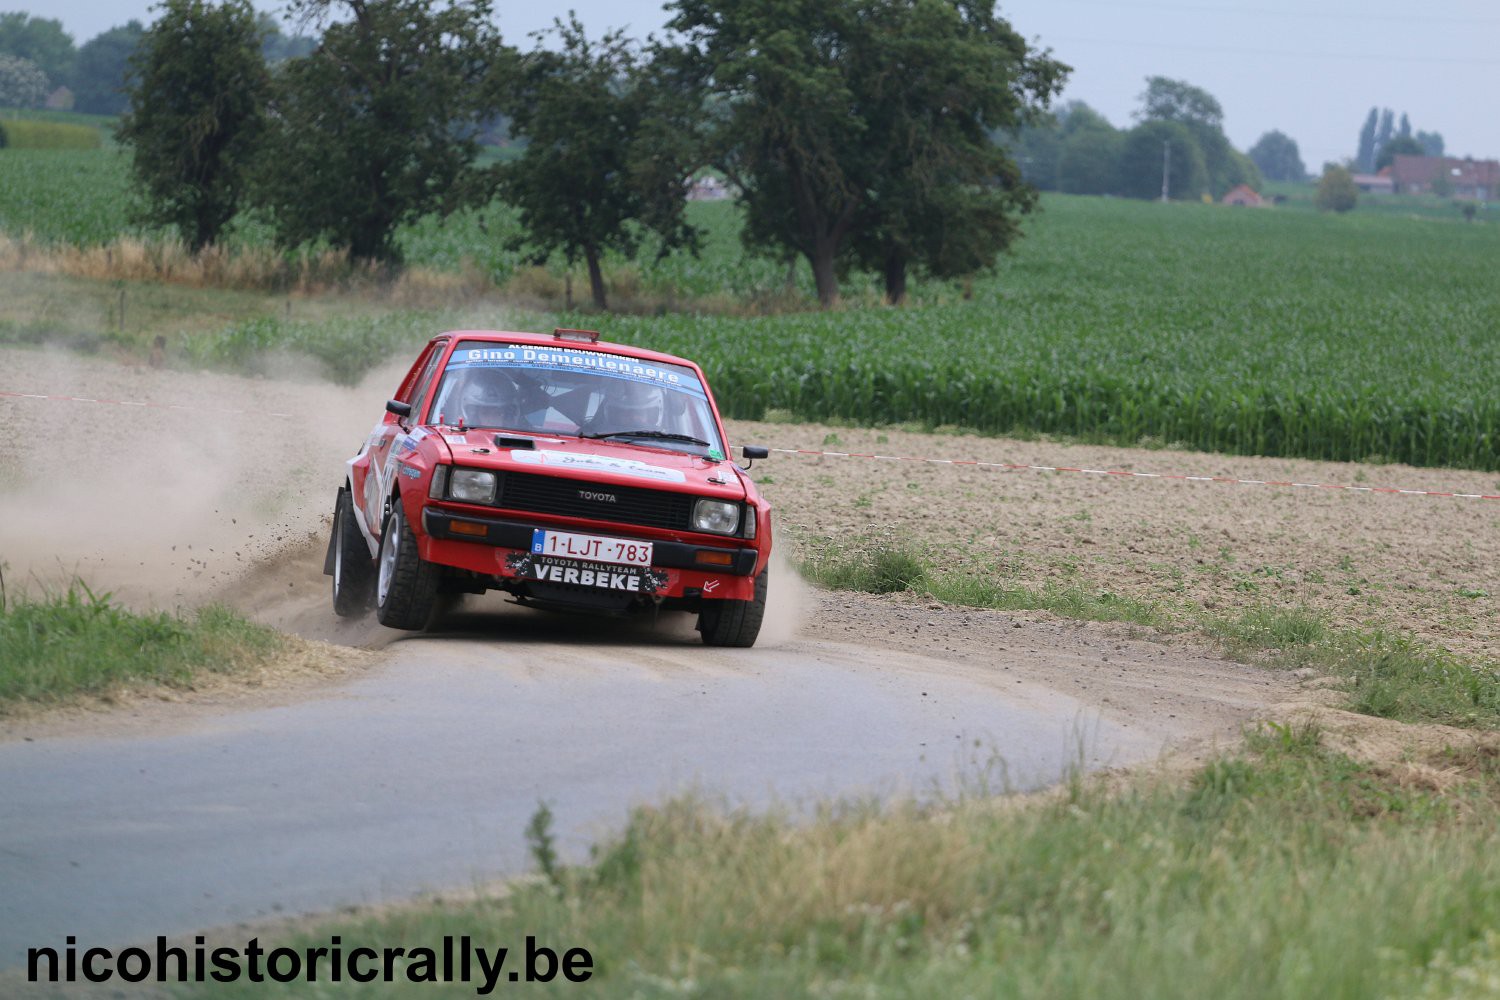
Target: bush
26,134
1336,191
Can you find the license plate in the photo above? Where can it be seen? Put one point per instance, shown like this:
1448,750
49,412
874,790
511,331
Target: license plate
594,548
607,576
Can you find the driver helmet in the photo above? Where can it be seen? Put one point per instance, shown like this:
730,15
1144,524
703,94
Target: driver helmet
488,400
634,406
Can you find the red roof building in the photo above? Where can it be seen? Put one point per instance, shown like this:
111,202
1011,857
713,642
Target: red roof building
1244,195
1476,179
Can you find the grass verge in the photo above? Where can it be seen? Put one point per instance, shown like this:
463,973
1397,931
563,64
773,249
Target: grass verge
1384,674
889,567
1286,870
77,642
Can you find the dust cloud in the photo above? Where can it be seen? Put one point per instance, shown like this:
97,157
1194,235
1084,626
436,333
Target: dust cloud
164,507
789,599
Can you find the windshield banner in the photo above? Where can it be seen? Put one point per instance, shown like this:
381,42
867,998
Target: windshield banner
568,360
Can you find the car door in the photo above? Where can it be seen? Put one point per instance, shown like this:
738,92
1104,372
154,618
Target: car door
392,433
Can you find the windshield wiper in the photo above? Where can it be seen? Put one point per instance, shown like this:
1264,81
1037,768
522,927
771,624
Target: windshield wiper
653,435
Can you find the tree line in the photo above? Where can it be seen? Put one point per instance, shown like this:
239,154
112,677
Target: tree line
858,133
1177,146
38,56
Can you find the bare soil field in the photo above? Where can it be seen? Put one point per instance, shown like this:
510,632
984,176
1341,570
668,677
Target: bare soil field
1427,566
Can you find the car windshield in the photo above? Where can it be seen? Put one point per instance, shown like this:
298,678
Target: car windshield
576,391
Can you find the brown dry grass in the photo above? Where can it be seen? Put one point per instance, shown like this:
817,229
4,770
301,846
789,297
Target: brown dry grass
168,261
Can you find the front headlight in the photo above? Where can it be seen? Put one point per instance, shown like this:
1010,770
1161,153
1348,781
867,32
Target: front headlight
716,516
471,486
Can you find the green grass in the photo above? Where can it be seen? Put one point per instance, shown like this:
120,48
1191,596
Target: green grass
1384,674
1287,870
19,133
889,567
79,642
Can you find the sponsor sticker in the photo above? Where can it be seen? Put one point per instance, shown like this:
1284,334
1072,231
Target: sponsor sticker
598,463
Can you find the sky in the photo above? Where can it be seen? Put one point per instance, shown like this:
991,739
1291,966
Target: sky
1312,69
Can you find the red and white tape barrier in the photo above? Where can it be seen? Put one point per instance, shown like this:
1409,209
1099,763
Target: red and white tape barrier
1004,466
1011,467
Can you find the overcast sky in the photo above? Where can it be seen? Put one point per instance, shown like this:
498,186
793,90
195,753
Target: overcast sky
1312,68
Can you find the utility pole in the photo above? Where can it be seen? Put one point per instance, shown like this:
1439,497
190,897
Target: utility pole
1166,169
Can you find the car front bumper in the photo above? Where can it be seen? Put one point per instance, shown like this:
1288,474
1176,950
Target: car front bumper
501,547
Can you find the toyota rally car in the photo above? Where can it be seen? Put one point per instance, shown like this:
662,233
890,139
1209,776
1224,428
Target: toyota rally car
571,473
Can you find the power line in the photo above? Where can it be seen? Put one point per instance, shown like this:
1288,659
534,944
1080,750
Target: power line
1353,16
1117,43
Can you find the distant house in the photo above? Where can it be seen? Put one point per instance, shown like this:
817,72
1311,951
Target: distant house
1381,183
1471,179
708,188
1244,195
60,99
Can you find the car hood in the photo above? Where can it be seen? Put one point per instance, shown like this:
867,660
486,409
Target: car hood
616,462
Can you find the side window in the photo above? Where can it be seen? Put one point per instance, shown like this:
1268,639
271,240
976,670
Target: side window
425,380
408,383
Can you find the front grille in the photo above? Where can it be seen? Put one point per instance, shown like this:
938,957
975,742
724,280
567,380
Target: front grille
632,505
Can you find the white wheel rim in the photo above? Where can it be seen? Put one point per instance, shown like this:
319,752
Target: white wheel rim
388,544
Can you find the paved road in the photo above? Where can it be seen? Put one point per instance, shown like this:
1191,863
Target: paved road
422,773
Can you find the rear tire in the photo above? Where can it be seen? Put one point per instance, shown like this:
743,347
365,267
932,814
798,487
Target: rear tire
353,569
406,585
734,623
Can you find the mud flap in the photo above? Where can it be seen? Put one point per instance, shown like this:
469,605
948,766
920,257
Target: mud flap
333,536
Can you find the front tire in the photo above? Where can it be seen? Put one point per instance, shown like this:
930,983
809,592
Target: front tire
405,584
734,623
353,571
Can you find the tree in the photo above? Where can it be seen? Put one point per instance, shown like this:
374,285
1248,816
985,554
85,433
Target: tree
276,47
39,40
22,83
867,118
1277,157
1336,190
1365,158
1199,111
944,198
1090,162
1386,132
99,71
1142,156
1037,148
1402,145
375,127
1168,100
597,159
1431,142
197,93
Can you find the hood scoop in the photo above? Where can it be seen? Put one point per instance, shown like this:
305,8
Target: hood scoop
507,441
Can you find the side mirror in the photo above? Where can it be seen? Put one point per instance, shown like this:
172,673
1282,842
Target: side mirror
397,407
752,452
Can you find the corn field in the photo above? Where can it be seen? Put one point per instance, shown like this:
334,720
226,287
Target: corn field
1269,332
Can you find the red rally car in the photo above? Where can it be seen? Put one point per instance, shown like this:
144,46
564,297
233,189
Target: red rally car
572,473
